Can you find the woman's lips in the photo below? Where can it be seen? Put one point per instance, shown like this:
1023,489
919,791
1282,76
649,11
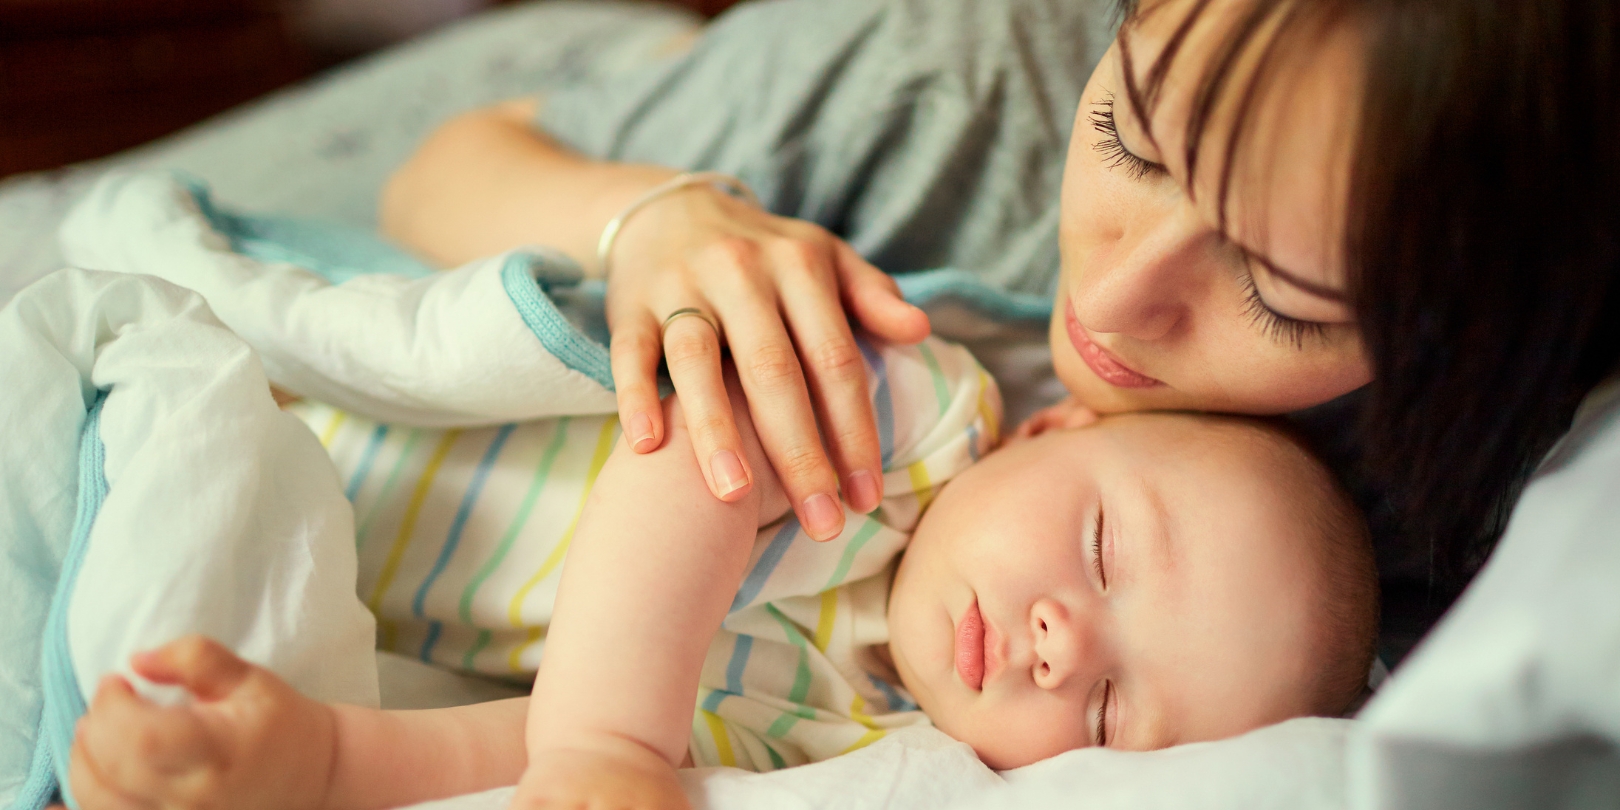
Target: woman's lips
970,648
1101,362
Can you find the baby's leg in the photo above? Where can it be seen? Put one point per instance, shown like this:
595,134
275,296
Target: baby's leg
249,740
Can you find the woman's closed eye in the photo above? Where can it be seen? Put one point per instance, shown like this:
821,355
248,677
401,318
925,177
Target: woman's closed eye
1275,325
1097,550
1112,149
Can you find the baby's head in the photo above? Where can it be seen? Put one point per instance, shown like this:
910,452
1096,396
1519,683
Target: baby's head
1154,579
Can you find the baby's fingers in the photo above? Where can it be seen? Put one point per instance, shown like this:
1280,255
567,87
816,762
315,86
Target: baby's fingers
90,788
202,666
636,353
137,748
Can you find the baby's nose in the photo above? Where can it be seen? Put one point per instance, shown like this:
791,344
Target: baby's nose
1062,644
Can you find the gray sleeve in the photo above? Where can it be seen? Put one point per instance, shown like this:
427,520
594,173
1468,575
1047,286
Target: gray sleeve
928,133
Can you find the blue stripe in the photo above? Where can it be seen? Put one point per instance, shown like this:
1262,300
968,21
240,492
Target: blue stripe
891,695
738,663
882,400
755,581
973,443
711,702
367,458
474,489
435,627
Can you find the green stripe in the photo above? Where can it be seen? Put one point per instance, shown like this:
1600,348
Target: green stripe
801,676
940,389
478,646
539,483
776,759
854,547
388,487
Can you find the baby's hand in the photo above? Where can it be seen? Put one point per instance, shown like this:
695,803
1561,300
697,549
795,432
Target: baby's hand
616,774
246,740
1065,415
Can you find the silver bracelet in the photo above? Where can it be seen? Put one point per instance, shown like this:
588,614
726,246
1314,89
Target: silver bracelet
610,232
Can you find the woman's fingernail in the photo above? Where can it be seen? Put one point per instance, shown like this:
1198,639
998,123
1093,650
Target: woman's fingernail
821,516
862,491
641,433
728,473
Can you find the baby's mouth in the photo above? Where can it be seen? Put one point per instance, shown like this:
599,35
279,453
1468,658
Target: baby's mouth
970,647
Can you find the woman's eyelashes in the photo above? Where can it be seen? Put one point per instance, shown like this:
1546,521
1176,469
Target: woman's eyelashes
1112,149
1274,324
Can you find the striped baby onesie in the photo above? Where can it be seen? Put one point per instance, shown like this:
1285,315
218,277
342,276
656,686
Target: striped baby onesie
462,534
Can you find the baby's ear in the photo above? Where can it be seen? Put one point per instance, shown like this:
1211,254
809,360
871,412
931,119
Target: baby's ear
1065,415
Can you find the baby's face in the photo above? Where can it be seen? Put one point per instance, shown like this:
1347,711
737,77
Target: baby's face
1138,583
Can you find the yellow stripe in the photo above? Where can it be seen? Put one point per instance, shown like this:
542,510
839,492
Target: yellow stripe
824,624
332,428
921,485
514,660
866,739
991,423
857,712
722,739
514,611
408,524
406,527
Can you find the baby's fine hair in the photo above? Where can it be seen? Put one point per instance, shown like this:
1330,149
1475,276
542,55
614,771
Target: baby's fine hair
1347,640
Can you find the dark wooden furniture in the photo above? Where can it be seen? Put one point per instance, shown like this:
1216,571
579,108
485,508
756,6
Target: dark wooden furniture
84,78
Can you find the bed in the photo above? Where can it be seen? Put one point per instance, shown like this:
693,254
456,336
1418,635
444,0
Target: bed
1534,721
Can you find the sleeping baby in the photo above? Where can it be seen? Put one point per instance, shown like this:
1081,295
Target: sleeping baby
1135,583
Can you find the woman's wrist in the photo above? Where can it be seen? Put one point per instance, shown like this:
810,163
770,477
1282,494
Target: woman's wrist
680,182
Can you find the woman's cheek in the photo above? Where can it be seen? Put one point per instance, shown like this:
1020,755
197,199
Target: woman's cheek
1272,378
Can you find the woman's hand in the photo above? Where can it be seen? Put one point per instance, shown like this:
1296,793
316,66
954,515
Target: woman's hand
778,288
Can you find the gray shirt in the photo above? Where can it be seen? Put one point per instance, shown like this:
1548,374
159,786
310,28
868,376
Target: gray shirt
927,133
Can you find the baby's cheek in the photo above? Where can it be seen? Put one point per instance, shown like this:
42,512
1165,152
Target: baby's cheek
1008,738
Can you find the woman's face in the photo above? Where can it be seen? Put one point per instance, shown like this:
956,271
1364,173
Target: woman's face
1160,307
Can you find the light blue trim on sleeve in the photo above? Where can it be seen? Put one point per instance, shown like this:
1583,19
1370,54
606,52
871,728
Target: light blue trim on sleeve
528,279
334,252
930,287
64,702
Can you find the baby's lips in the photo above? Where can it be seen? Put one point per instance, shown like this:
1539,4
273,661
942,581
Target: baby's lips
970,648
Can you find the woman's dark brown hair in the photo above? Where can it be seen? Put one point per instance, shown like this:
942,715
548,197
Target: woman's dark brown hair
1482,234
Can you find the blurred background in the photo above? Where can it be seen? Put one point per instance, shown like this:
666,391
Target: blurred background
84,78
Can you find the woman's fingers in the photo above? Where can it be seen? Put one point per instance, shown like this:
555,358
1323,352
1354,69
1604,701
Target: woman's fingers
768,368
692,349
636,352
874,299
836,372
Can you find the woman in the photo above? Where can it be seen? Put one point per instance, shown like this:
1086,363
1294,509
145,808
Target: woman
1267,204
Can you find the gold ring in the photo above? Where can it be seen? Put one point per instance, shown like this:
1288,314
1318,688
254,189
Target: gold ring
689,311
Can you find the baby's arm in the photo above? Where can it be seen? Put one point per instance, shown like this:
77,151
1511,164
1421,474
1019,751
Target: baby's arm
653,568
654,564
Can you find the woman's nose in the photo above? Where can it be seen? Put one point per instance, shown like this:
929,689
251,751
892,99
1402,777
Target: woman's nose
1137,286
1064,644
